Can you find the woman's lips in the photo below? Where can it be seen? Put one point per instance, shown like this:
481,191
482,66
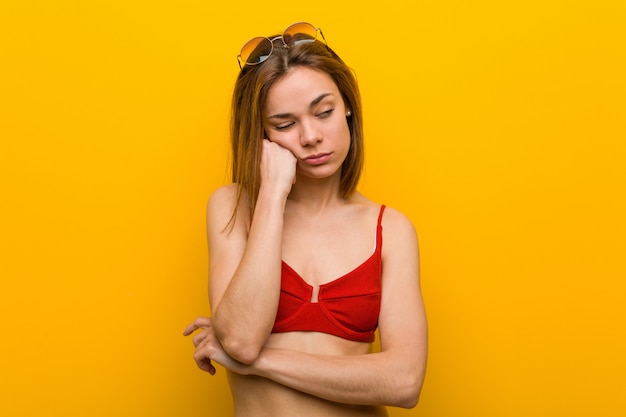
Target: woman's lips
317,159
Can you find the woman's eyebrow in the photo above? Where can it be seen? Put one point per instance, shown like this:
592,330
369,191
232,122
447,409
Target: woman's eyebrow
314,103
320,98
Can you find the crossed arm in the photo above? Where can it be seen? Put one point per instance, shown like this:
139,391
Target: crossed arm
242,320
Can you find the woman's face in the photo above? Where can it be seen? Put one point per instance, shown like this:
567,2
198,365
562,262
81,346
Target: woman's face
305,113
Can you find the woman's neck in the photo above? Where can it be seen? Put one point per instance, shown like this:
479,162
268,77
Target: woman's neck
316,194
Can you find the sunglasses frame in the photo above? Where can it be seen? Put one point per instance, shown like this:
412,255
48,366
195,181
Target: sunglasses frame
271,41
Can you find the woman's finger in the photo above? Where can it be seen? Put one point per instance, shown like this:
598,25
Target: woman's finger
199,338
198,323
204,362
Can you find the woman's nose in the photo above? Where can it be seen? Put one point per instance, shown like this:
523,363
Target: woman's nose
310,134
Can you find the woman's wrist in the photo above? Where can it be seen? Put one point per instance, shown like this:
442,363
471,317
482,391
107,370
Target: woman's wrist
263,364
273,192
272,198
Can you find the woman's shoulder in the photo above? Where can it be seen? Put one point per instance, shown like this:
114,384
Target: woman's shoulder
225,194
397,219
391,217
228,196
226,201
399,234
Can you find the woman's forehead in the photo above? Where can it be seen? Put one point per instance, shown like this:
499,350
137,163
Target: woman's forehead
300,87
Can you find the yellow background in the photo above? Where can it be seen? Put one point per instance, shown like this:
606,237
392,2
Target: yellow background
498,127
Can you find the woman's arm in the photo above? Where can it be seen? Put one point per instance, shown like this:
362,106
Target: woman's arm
244,272
392,377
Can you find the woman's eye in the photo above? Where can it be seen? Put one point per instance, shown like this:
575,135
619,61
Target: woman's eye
325,113
284,126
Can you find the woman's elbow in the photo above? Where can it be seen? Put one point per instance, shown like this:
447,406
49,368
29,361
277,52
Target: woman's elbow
409,401
241,350
408,393
239,344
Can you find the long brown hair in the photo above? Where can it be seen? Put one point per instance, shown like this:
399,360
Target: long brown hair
250,93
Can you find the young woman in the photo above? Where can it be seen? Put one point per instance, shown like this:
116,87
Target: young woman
304,268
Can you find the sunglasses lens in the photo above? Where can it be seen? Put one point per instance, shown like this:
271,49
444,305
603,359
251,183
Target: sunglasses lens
299,32
256,50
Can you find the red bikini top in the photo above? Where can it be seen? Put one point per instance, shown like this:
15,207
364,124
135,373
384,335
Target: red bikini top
347,307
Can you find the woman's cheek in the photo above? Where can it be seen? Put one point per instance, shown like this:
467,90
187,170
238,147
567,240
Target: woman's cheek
285,139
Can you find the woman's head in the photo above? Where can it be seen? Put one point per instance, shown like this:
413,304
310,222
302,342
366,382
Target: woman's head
250,94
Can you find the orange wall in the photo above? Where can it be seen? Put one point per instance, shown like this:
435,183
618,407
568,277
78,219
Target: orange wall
499,128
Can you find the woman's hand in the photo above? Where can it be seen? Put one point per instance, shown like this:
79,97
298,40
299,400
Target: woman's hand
278,166
202,341
209,348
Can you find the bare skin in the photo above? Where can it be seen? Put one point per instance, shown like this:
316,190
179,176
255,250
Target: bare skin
301,218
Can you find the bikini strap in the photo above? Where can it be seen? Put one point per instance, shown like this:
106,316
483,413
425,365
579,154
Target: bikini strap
380,215
379,229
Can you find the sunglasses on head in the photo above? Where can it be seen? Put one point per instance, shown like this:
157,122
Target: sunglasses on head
257,50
